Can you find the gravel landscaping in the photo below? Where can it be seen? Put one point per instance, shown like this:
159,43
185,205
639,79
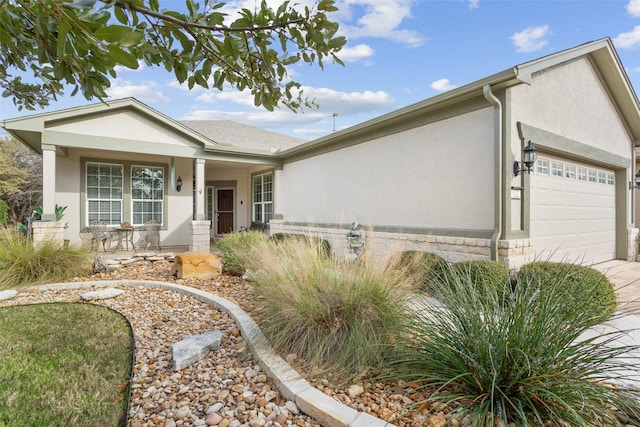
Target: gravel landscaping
226,388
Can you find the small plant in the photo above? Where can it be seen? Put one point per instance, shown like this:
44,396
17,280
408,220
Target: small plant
428,267
235,246
22,263
334,316
325,246
4,213
581,283
485,275
517,357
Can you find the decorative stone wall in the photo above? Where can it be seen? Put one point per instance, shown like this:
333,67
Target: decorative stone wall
47,231
200,236
380,246
516,253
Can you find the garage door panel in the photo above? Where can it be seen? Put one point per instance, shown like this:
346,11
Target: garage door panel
572,220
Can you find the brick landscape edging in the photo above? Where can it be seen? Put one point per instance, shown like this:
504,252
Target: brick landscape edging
329,412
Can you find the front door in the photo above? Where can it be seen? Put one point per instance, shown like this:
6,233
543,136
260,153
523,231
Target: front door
224,210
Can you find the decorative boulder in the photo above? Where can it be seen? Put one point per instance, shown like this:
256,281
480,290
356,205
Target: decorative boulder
199,265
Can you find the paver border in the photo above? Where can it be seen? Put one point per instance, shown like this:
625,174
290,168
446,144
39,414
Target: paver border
329,412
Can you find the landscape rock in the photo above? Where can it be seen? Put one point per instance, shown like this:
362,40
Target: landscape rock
201,265
8,294
194,348
106,293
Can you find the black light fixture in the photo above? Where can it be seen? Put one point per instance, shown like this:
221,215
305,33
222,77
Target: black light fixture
529,156
637,183
179,184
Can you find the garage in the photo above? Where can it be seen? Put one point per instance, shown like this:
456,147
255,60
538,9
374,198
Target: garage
573,215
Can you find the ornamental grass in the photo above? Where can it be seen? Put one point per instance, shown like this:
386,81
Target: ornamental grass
337,317
520,356
25,263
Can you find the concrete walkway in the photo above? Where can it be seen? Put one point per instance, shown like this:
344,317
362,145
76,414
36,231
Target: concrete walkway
625,276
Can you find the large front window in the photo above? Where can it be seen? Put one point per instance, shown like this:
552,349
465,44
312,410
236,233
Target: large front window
147,194
104,193
263,197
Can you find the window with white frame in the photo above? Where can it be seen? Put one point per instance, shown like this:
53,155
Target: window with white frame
570,171
611,179
542,167
556,169
582,173
593,176
104,193
147,194
262,197
602,177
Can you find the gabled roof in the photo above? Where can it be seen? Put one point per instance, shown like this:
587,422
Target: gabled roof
601,52
29,129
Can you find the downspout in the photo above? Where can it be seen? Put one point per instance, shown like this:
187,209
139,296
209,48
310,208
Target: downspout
497,131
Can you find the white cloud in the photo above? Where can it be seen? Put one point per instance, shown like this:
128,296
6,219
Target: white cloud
442,85
531,39
145,91
633,8
121,68
381,19
355,53
628,40
474,4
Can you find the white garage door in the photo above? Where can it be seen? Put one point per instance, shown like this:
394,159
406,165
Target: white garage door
572,211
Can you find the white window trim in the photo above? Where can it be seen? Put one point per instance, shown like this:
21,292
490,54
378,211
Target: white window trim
542,166
261,203
161,202
88,199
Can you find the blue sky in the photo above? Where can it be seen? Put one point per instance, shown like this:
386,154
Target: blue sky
399,52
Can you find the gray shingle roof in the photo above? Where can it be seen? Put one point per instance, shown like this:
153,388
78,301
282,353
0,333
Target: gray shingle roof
226,132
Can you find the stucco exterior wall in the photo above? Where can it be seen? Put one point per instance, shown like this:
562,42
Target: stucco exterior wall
571,101
122,124
435,176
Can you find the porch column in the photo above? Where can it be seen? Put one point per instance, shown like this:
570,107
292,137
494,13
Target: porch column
48,182
277,222
199,172
200,234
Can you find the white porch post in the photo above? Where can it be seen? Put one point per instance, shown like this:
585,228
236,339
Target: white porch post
276,223
48,182
200,234
48,228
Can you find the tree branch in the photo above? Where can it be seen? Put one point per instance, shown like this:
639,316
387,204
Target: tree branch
218,29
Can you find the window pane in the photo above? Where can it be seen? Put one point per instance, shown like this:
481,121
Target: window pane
147,193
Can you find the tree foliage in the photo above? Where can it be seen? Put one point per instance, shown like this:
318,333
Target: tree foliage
20,178
81,42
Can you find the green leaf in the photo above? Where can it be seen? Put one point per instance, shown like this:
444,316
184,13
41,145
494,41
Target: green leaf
121,16
119,34
123,58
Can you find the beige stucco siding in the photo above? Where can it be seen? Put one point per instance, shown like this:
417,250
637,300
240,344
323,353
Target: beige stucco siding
435,176
123,124
571,101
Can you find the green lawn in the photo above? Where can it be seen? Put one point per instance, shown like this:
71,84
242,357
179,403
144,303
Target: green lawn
64,364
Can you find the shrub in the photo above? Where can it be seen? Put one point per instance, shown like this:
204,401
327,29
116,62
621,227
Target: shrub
581,283
235,247
324,245
23,263
334,316
485,275
519,357
425,265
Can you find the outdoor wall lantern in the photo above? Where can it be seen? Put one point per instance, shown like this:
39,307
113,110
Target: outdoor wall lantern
637,183
529,156
179,184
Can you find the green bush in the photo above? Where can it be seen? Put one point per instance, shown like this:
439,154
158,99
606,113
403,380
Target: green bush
518,358
235,247
428,267
485,275
334,316
23,263
4,213
322,244
581,282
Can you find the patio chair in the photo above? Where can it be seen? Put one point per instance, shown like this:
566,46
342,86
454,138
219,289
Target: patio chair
152,234
97,230
255,226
